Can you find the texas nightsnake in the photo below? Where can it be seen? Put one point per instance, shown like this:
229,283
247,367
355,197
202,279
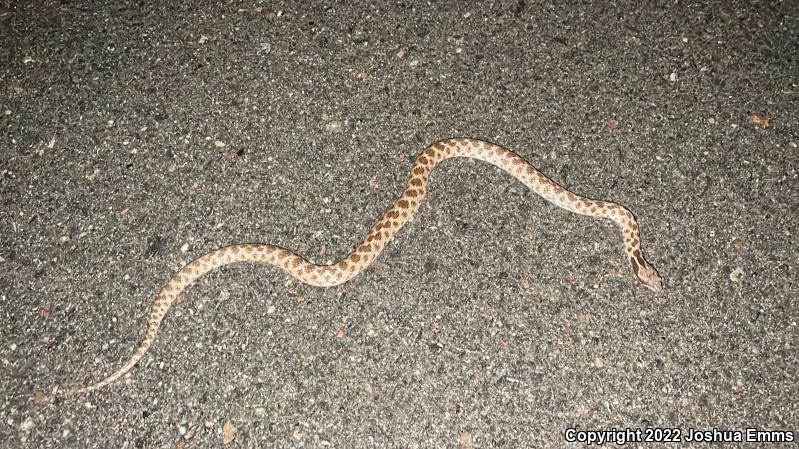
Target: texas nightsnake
385,229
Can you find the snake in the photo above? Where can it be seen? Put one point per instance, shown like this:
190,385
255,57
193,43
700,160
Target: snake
382,233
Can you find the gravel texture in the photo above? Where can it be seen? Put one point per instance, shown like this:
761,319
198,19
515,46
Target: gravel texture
134,138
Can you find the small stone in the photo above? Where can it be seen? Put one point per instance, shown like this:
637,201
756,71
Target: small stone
27,425
759,119
334,126
737,274
228,433
599,363
93,175
466,441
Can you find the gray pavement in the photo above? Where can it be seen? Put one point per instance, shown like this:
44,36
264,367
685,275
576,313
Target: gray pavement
133,139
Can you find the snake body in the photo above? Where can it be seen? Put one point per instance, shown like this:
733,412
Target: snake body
381,233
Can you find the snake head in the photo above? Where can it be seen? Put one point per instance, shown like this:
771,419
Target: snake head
649,277
645,273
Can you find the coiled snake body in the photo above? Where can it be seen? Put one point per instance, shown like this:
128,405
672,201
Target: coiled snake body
385,229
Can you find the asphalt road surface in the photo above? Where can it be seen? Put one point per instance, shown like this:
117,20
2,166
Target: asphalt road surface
135,138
